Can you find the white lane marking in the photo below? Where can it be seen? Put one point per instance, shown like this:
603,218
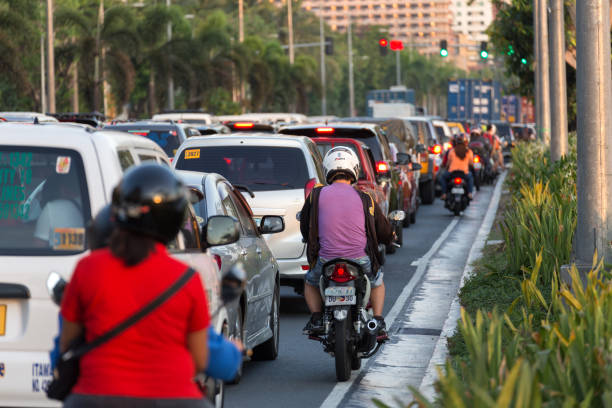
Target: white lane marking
441,351
495,242
415,262
336,395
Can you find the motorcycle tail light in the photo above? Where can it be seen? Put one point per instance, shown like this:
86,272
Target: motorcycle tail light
310,185
476,159
342,274
382,167
458,180
435,149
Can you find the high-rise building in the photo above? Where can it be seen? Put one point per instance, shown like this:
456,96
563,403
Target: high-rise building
472,17
418,23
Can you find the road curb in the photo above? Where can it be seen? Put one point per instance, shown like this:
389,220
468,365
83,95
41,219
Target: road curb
441,351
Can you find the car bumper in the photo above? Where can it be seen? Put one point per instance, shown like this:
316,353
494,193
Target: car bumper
24,377
291,269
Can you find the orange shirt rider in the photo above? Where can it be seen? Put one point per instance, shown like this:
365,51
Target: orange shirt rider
457,164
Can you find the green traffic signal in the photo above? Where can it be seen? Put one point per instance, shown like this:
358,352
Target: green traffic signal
484,54
444,52
524,61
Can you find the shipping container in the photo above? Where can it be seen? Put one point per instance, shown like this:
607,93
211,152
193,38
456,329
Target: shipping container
397,94
474,100
511,108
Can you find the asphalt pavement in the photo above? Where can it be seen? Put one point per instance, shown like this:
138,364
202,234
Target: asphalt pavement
303,375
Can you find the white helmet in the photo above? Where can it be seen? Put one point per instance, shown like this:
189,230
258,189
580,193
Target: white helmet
341,159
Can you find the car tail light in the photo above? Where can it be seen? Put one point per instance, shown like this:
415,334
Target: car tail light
447,146
325,130
458,180
476,159
305,267
218,261
310,184
244,125
171,159
382,167
342,274
435,149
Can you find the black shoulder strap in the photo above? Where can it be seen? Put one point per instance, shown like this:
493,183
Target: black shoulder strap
130,321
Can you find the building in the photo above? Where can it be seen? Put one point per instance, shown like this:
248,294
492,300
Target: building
472,19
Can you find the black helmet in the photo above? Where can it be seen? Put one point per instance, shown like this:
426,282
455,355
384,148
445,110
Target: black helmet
101,228
150,200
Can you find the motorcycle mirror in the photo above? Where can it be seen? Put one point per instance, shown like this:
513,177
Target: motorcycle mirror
397,215
233,283
55,286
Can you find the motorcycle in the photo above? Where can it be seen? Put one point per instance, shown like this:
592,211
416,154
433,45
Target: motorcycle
457,199
350,331
478,172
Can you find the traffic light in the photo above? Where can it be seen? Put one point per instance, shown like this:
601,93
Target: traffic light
510,50
383,46
524,61
329,45
484,54
443,48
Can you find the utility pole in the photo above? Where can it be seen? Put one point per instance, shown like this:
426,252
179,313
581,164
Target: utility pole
323,79
43,86
50,57
558,91
170,79
537,97
351,79
594,129
544,69
240,20
290,27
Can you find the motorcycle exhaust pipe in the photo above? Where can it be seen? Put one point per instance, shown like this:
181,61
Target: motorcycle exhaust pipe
372,325
371,334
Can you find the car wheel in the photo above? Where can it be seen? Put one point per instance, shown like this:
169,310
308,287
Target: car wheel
238,333
269,349
428,192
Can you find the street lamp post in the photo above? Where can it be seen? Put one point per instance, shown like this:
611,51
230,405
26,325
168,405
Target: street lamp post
323,79
350,67
558,92
290,28
170,79
50,58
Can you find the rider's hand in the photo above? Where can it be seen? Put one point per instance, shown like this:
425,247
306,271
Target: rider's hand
238,344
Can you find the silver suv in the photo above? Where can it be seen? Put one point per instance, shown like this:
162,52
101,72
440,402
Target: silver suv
279,170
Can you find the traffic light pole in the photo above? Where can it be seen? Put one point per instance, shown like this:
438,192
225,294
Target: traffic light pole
543,70
350,67
594,120
398,68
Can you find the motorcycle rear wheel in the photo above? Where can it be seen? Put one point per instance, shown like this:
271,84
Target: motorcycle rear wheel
342,348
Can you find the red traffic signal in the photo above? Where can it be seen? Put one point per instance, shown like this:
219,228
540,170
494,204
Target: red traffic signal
396,45
383,42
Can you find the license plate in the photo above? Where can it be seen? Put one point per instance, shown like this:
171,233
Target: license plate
339,296
457,191
477,166
2,320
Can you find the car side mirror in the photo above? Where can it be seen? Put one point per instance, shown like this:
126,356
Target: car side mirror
420,148
416,166
271,224
233,283
403,159
221,230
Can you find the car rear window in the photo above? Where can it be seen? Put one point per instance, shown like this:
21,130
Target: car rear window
325,147
261,168
44,204
168,140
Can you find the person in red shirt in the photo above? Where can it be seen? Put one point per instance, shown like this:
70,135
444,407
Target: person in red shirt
154,362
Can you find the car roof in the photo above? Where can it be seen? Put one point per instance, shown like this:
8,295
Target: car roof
361,144
263,139
26,116
192,177
344,125
67,135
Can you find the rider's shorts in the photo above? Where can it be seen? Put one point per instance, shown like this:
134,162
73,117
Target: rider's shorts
314,274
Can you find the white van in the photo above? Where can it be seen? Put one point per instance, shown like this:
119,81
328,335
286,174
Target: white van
53,179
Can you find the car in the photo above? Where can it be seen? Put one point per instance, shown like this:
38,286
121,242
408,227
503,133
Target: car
29,117
168,136
213,129
443,132
254,319
183,116
245,126
523,131
397,178
280,170
430,164
398,132
93,119
506,136
456,127
34,159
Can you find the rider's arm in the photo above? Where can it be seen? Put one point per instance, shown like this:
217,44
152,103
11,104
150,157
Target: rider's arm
384,230
225,358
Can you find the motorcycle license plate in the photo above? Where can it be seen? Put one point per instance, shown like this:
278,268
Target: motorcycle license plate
340,296
457,190
477,166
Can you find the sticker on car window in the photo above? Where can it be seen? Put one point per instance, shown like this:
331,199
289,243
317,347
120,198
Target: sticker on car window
68,239
62,165
199,219
192,154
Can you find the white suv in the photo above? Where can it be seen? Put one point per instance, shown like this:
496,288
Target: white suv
53,178
278,169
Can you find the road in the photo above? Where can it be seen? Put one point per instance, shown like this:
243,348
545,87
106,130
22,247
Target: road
304,376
